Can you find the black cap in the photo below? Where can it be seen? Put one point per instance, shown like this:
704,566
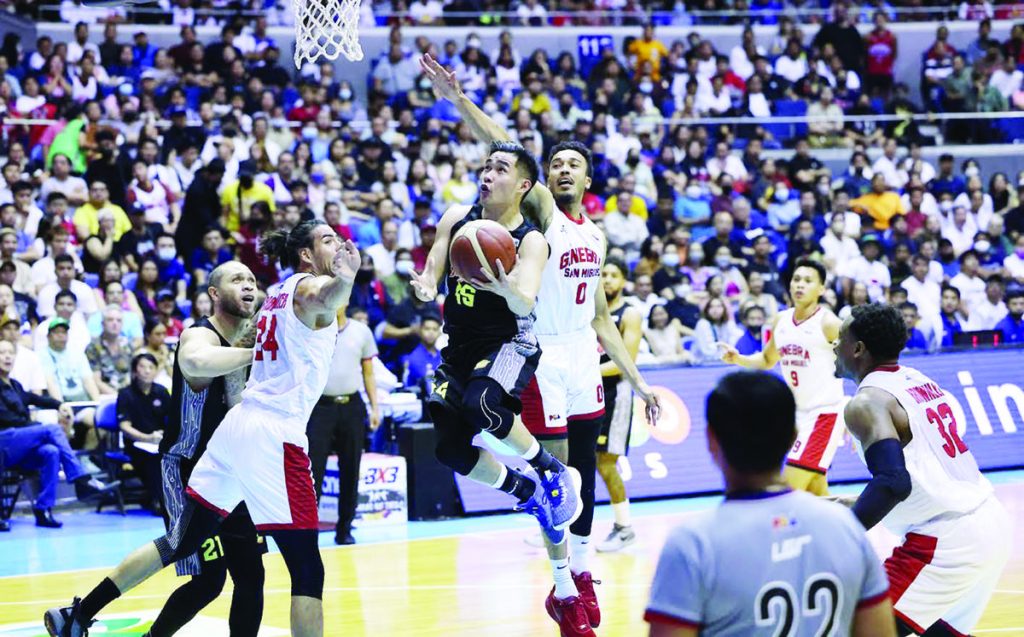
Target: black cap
216,165
136,209
164,294
247,168
105,134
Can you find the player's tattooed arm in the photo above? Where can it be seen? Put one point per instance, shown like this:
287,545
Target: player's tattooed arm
200,355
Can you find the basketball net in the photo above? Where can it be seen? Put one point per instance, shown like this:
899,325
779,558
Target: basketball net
326,29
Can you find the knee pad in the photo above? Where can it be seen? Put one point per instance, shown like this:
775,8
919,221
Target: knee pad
456,454
488,408
302,557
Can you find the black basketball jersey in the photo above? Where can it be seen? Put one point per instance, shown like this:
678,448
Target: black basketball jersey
478,317
194,414
617,317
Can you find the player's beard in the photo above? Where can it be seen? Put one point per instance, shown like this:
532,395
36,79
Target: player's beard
565,201
233,307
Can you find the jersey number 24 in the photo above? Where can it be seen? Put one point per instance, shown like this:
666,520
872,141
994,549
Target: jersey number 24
266,337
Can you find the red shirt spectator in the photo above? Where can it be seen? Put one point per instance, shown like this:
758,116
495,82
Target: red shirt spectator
881,45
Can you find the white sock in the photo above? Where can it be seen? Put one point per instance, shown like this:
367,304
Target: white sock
579,553
532,451
564,586
621,511
501,477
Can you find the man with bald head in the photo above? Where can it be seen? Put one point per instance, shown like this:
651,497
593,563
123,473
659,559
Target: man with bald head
209,373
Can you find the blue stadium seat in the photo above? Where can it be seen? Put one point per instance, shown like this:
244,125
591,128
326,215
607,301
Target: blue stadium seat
792,108
129,279
92,280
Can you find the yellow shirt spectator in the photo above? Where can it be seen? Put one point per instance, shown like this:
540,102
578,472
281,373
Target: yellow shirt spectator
880,204
235,199
637,207
649,50
87,220
539,103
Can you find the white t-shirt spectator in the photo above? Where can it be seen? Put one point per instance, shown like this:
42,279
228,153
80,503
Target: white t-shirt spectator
873,274
926,295
732,166
383,260
78,336
791,69
526,12
929,206
986,315
839,250
76,51
972,290
708,103
71,186
426,11
1014,264
44,271
626,232
894,178
961,238
28,371
927,171
84,294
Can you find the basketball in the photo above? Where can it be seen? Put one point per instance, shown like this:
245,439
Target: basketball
477,246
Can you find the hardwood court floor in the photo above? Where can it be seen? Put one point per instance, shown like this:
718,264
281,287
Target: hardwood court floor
477,577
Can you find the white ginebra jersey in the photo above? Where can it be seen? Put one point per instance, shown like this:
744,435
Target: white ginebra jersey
291,362
944,476
808,360
565,302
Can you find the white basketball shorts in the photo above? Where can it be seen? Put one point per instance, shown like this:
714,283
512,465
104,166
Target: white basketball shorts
567,385
819,433
260,458
946,570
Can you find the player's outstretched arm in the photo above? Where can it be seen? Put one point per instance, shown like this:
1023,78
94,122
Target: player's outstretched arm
539,204
446,86
424,284
869,417
622,348
200,355
765,359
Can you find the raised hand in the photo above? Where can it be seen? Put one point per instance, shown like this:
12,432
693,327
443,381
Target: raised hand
424,284
446,85
729,353
346,261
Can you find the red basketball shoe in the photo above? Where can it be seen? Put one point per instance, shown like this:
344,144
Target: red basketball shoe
570,615
585,585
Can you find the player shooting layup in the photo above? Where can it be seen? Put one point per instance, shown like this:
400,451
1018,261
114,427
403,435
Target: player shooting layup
564,405
258,454
801,342
925,483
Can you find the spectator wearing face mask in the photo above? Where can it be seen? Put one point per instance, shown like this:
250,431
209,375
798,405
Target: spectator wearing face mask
782,209
397,283
751,342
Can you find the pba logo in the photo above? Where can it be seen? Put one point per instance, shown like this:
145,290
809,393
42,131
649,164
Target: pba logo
673,425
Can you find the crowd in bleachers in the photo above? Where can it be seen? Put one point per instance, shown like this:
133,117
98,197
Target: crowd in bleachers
112,221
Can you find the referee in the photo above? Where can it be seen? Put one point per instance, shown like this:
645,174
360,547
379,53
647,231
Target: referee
337,421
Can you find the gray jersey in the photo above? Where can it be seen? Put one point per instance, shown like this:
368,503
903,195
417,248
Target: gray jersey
768,564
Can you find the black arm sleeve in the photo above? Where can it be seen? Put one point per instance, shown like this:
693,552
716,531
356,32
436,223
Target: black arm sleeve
889,485
38,401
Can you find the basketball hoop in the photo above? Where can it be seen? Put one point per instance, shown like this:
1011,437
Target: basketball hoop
326,28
